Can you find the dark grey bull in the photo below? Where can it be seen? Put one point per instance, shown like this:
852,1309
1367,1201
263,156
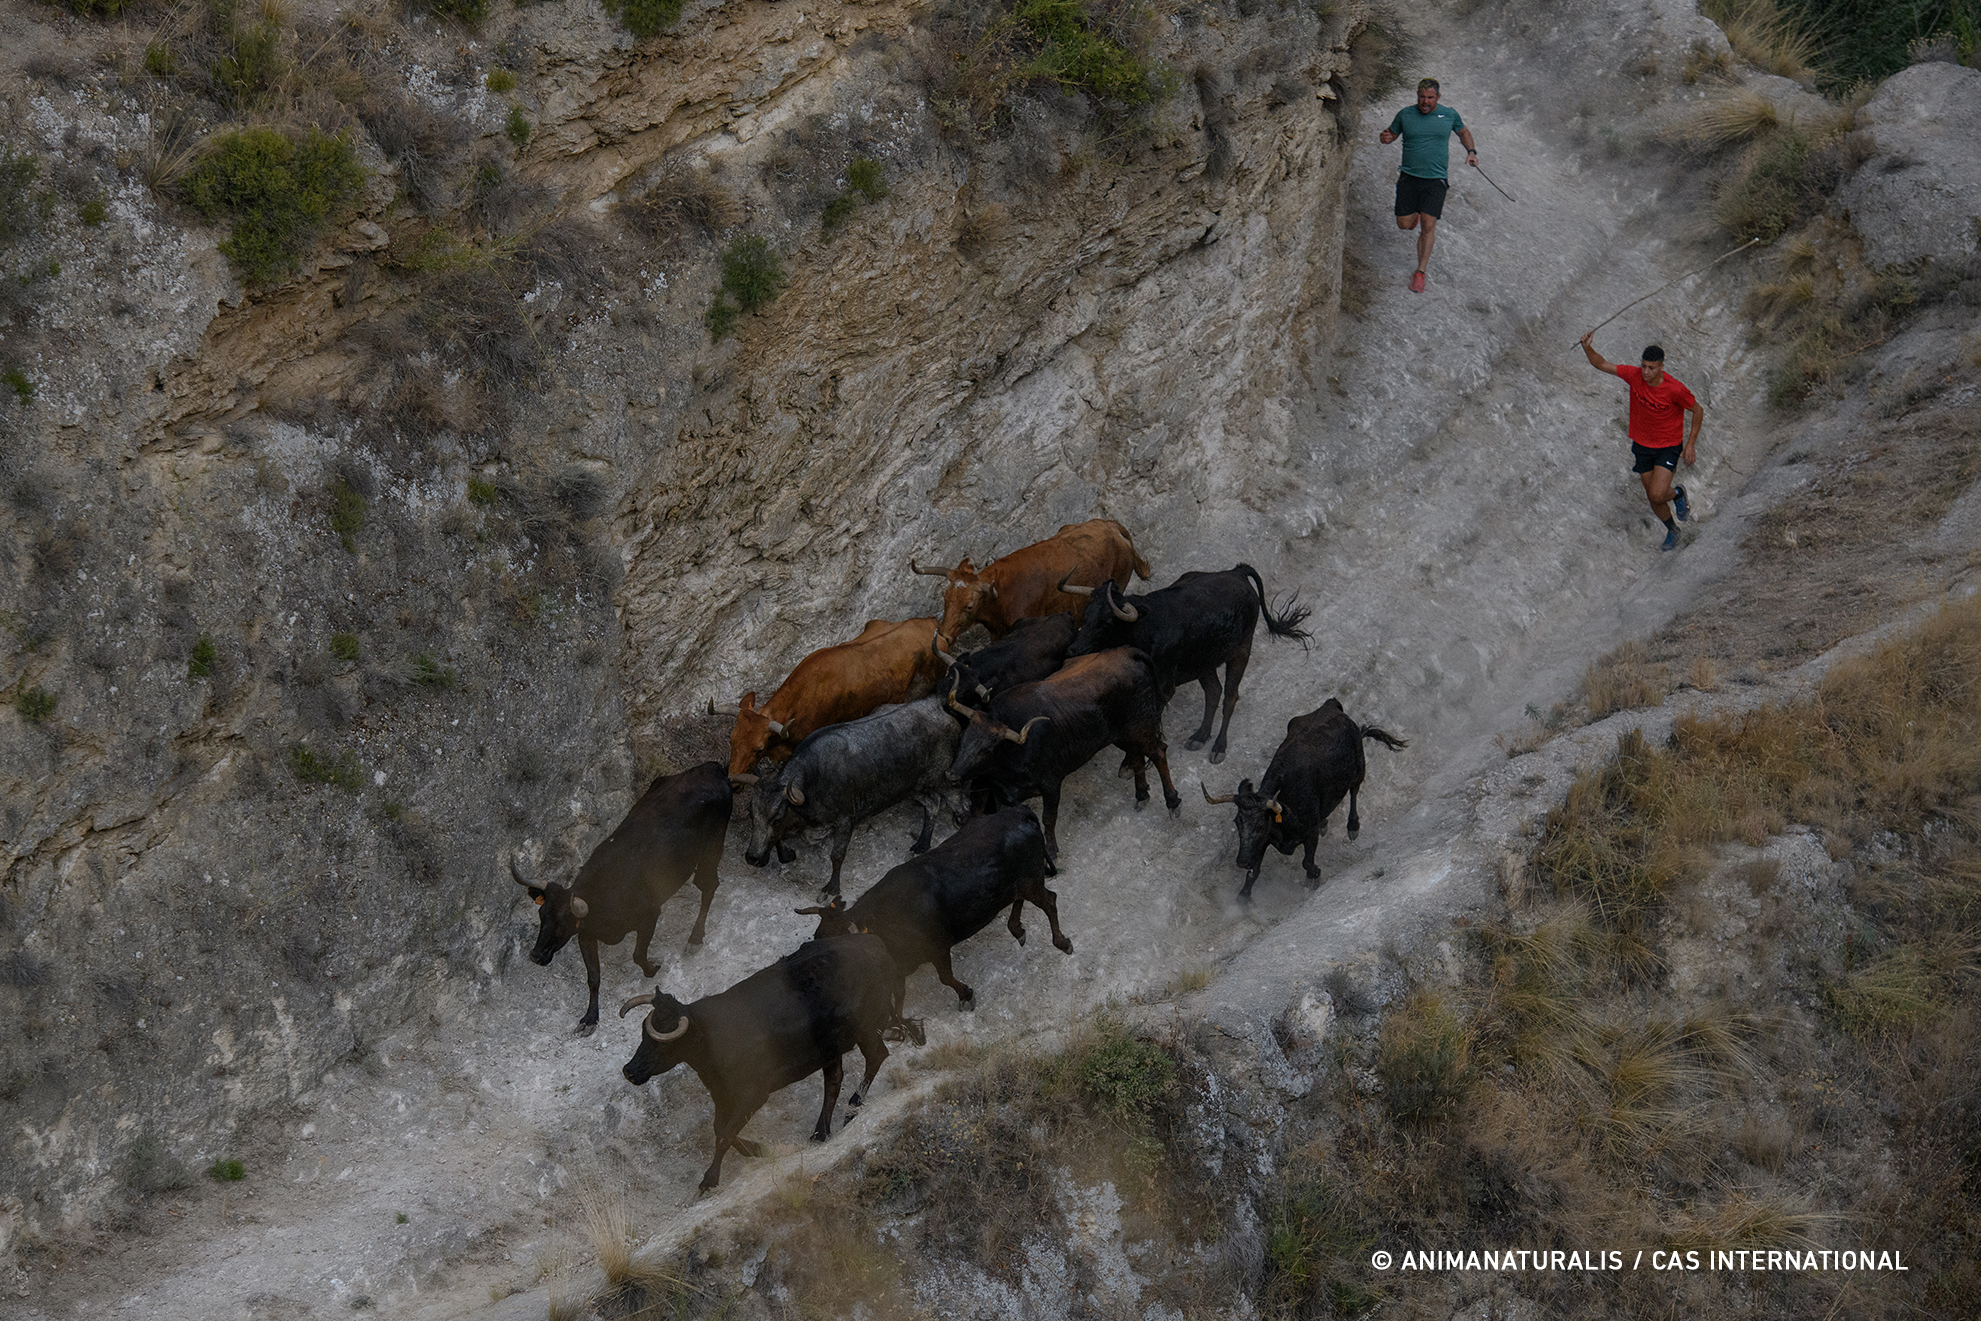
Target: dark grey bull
844,774
672,834
1031,650
928,905
1319,761
775,1027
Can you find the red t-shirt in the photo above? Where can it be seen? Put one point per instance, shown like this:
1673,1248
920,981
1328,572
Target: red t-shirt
1657,412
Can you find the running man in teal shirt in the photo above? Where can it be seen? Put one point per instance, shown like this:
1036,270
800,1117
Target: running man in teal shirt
1426,132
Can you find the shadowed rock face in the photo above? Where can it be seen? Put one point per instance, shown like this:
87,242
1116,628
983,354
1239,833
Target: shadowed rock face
1919,196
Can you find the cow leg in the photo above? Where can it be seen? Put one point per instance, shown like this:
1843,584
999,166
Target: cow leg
842,838
1234,671
927,837
728,1125
645,938
1313,872
1049,800
1048,903
1354,821
1170,798
874,1050
947,976
1141,781
701,915
1017,927
835,1073
1212,692
589,949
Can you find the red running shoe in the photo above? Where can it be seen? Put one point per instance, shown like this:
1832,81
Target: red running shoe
1417,282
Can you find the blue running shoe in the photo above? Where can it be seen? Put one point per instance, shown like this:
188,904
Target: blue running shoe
1671,540
1680,505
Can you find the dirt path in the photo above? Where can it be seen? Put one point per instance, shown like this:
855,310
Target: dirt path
1464,519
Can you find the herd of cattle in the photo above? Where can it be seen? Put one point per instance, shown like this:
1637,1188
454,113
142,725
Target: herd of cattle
1077,664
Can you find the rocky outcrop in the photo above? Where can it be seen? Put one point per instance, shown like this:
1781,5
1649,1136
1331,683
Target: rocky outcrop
1918,198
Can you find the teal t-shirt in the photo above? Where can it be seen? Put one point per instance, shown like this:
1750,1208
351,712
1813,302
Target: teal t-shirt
1426,139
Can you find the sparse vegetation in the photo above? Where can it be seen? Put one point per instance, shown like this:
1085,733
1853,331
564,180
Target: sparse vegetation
204,657
93,211
347,512
752,274
18,381
1872,39
481,491
864,183
681,201
35,704
279,193
227,1171
340,770
249,55
501,81
645,18
518,127
467,11
1767,36
429,673
344,646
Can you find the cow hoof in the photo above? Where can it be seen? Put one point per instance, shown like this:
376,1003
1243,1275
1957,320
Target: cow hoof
1352,834
1141,803
786,855
1217,755
1019,935
1126,772
1050,869
1175,807
1196,743
968,1006
820,1135
587,1026
1064,945
855,1102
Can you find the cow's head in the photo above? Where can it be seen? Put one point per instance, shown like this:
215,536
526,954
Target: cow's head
1108,621
771,818
1257,815
560,914
754,735
832,918
666,1036
981,737
966,597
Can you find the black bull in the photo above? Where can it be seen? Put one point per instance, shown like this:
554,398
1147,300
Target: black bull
1189,629
773,1028
673,833
1318,763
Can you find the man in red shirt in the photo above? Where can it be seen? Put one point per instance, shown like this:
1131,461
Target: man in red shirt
1656,400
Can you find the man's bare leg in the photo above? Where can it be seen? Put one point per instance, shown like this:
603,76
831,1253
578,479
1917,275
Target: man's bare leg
1425,238
1657,489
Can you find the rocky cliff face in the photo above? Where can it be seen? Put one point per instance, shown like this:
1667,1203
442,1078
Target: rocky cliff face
345,588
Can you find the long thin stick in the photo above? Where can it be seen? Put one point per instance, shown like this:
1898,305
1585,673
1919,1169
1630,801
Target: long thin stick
1496,188
1669,283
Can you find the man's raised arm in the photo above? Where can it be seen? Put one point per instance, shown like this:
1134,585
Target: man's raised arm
1596,359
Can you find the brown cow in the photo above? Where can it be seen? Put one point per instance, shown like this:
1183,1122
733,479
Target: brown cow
1026,583
888,662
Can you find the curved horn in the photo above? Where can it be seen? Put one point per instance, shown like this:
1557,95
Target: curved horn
680,1029
1273,803
741,781
1077,591
795,794
646,999
517,872
580,909
715,710
983,691
958,707
933,573
1025,732
935,641
779,730
1215,802
1127,614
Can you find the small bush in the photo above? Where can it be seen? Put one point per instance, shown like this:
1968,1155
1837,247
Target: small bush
93,212
645,18
1771,194
204,656
837,212
468,11
864,176
481,491
500,81
250,58
227,1171
518,127
1316,1250
1768,38
988,59
35,704
428,673
17,381
344,646
347,513
720,318
280,194
150,1168
1123,1077
159,60
341,770
752,272
1423,1056
681,201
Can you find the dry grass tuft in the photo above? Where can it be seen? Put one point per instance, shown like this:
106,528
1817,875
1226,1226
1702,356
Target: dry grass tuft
603,1211
1623,680
1766,37
678,205
1733,116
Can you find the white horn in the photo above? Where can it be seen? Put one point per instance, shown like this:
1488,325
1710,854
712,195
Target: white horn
646,999
1025,732
680,1030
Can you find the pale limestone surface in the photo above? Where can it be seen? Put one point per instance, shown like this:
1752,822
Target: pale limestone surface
1919,197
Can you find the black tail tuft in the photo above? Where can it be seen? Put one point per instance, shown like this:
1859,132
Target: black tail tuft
1286,622
1370,731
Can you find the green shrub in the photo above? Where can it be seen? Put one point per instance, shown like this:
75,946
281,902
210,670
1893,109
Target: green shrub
1767,198
720,318
1123,1077
341,770
280,193
1423,1058
481,491
644,18
838,211
204,656
519,126
227,1171
1316,1250
344,646
159,60
752,272
500,81
864,175
22,207
35,704
1874,38
1078,54
250,58
1096,47
93,212
428,673
347,513
468,11
17,380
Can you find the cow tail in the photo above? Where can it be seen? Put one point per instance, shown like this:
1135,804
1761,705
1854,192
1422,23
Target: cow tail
1286,623
1384,736
1142,569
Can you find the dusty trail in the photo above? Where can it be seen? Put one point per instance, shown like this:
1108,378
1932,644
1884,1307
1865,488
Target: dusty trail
1462,515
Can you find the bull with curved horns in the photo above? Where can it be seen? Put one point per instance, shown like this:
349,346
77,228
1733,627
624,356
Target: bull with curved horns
1028,583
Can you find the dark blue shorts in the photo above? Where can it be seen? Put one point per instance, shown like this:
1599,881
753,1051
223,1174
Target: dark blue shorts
1665,457
1415,196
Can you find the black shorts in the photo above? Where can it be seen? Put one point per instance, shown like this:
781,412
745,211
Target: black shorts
1665,457
1415,196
